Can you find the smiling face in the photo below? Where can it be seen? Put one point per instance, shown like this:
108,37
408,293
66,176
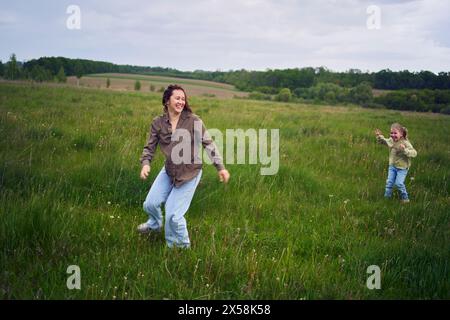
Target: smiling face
177,101
396,134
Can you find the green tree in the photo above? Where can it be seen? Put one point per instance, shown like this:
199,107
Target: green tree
108,82
284,95
259,96
305,78
303,93
152,87
2,69
39,74
79,71
61,76
137,85
12,69
330,96
362,93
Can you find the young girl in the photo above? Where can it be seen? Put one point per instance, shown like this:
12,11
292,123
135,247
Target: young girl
401,152
176,182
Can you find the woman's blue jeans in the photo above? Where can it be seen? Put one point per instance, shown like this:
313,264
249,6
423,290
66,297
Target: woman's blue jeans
396,177
177,201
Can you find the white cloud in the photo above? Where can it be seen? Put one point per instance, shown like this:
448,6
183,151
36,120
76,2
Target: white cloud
7,18
251,34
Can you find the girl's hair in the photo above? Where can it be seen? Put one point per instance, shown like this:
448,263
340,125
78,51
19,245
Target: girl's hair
400,128
168,93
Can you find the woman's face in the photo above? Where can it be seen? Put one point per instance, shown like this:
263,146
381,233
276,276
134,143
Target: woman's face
177,101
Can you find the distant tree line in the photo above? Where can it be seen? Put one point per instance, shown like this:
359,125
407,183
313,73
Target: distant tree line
261,81
16,70
425,100
322,92
416,100
418,91
48,69
308,77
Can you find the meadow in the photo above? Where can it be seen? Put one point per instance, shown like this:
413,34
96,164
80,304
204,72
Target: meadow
70,194
125,82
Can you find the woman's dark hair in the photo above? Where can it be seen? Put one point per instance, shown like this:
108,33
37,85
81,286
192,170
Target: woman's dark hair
168,93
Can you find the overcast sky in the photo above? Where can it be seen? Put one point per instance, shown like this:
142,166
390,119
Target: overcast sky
234,34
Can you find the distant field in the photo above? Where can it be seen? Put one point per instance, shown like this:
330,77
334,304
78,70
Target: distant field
125,82
70,194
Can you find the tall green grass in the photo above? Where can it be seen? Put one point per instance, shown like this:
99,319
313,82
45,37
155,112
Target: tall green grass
71,195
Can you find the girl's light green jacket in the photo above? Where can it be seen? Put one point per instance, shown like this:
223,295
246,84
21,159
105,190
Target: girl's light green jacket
399,158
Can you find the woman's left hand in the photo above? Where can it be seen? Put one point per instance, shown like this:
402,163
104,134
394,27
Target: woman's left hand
224,175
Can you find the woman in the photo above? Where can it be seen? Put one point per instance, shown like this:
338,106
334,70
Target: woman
176,182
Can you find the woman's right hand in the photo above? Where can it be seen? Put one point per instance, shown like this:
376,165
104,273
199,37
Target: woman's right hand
145,171
224,175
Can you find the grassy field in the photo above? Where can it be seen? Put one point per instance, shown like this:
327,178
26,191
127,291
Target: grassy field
71,195
125,82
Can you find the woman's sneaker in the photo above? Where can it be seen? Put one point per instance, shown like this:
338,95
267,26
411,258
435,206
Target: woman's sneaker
144,228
